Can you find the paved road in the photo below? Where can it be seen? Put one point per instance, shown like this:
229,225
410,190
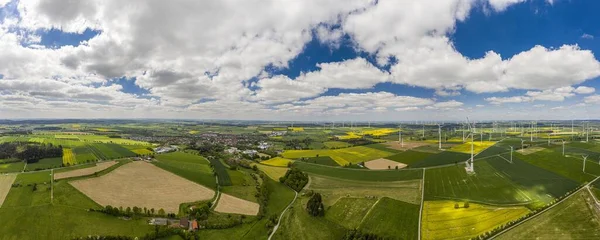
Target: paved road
281,216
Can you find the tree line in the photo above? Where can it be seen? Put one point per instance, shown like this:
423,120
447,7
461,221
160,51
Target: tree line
29,152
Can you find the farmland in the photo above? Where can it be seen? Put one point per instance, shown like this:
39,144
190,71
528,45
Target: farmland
85,171
143,185
442,220
277,162
45,163
231,204
496,181
477,147
68,157
409,157
242,185
356,194
192,167
6,182
360,175
342,156
393,219
575,218
12,167
273,172
349,212
333,189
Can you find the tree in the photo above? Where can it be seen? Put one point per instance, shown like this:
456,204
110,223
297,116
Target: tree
295,179
315,205
456,206
161,212
466,205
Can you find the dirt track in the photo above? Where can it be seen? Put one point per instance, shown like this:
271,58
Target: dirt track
142,184
84,171
231,204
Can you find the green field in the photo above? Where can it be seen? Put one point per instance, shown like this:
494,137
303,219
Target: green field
342,156
323,160
45,163
277,162
84,154
34,217
221,171
189,166
336,144
392,219
575,218
273,172
242,185
298,224
358,174
408,157
12,167
349,212
441,220
496,181
570,167
441,158
110,151
478,146
333,189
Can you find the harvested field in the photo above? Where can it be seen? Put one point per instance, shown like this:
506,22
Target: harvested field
407,145
142,184
231,204
6,182
530,150
382,163
85,171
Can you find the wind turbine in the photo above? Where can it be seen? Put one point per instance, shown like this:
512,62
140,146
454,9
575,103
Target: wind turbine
470,168
400,136
584,159
563,142
511,151
440,136
522,146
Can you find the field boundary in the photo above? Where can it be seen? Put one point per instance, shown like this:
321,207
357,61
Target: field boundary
368,212
281,215
422,202
543,211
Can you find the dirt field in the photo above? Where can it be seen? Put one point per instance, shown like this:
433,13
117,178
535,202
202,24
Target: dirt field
6,182
142,184
407,145
383,163
530,150
231,204
84,171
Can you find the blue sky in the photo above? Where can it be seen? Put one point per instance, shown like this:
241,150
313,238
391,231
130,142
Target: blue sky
361,60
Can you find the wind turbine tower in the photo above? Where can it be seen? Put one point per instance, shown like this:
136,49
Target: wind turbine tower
511,151
400,137
563,147
469,163
440,136
584,159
